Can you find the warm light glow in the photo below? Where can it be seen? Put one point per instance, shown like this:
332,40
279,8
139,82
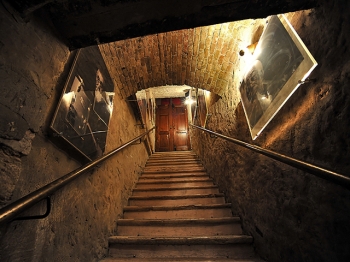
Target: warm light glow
110,107
110,98
67,98
250,52
251,48
249,61
189,101
257,51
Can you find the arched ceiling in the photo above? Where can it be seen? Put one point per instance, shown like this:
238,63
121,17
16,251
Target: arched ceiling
204,57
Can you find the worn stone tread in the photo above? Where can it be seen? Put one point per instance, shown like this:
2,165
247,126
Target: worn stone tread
166,221
174,184
174,179
173,162
177,172
170,157
182,207
176,197
193,240
173,188
173,153
183,163
184,172
173,176
178,221
162,181
172,170
192,259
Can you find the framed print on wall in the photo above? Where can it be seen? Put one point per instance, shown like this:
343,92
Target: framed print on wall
281,62
84,110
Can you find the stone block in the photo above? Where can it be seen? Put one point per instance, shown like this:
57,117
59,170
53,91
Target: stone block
10,169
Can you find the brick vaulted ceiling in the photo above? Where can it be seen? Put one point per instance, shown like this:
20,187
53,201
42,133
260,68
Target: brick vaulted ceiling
204,57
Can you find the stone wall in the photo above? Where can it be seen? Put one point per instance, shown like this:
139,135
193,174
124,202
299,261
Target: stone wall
34,64
292,215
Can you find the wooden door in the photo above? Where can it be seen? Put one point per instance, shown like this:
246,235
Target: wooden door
164,136
180,128
172,127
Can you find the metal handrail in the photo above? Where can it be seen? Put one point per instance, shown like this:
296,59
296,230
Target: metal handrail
328,175
9,212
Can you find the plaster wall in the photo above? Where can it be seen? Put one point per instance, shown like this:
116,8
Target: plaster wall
34,64
292,215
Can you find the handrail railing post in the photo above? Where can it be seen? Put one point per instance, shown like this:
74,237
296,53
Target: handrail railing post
326,174
10,211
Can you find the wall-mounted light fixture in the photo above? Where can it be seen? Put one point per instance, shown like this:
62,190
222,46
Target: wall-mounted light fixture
189,100
250,48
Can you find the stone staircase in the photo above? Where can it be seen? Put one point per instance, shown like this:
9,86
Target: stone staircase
176,213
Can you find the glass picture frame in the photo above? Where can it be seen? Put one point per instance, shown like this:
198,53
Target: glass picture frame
84,110
280,63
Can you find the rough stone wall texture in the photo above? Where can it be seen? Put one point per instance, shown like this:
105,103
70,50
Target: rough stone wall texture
202,57
29,74
33,67
292,215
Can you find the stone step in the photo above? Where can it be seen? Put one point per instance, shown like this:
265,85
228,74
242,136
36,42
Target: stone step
179,173
180,162
172,157
159,158
164,171
172,162
175,175
176,191
180,227
192,259
184,211
231,246
162,160
173,153
175,168
169,181
169,200
166,178
172,184
176,213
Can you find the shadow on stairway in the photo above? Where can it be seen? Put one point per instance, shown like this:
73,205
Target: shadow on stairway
176,213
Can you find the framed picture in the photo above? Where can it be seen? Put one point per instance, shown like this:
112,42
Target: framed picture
202,107
281,62
83,112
